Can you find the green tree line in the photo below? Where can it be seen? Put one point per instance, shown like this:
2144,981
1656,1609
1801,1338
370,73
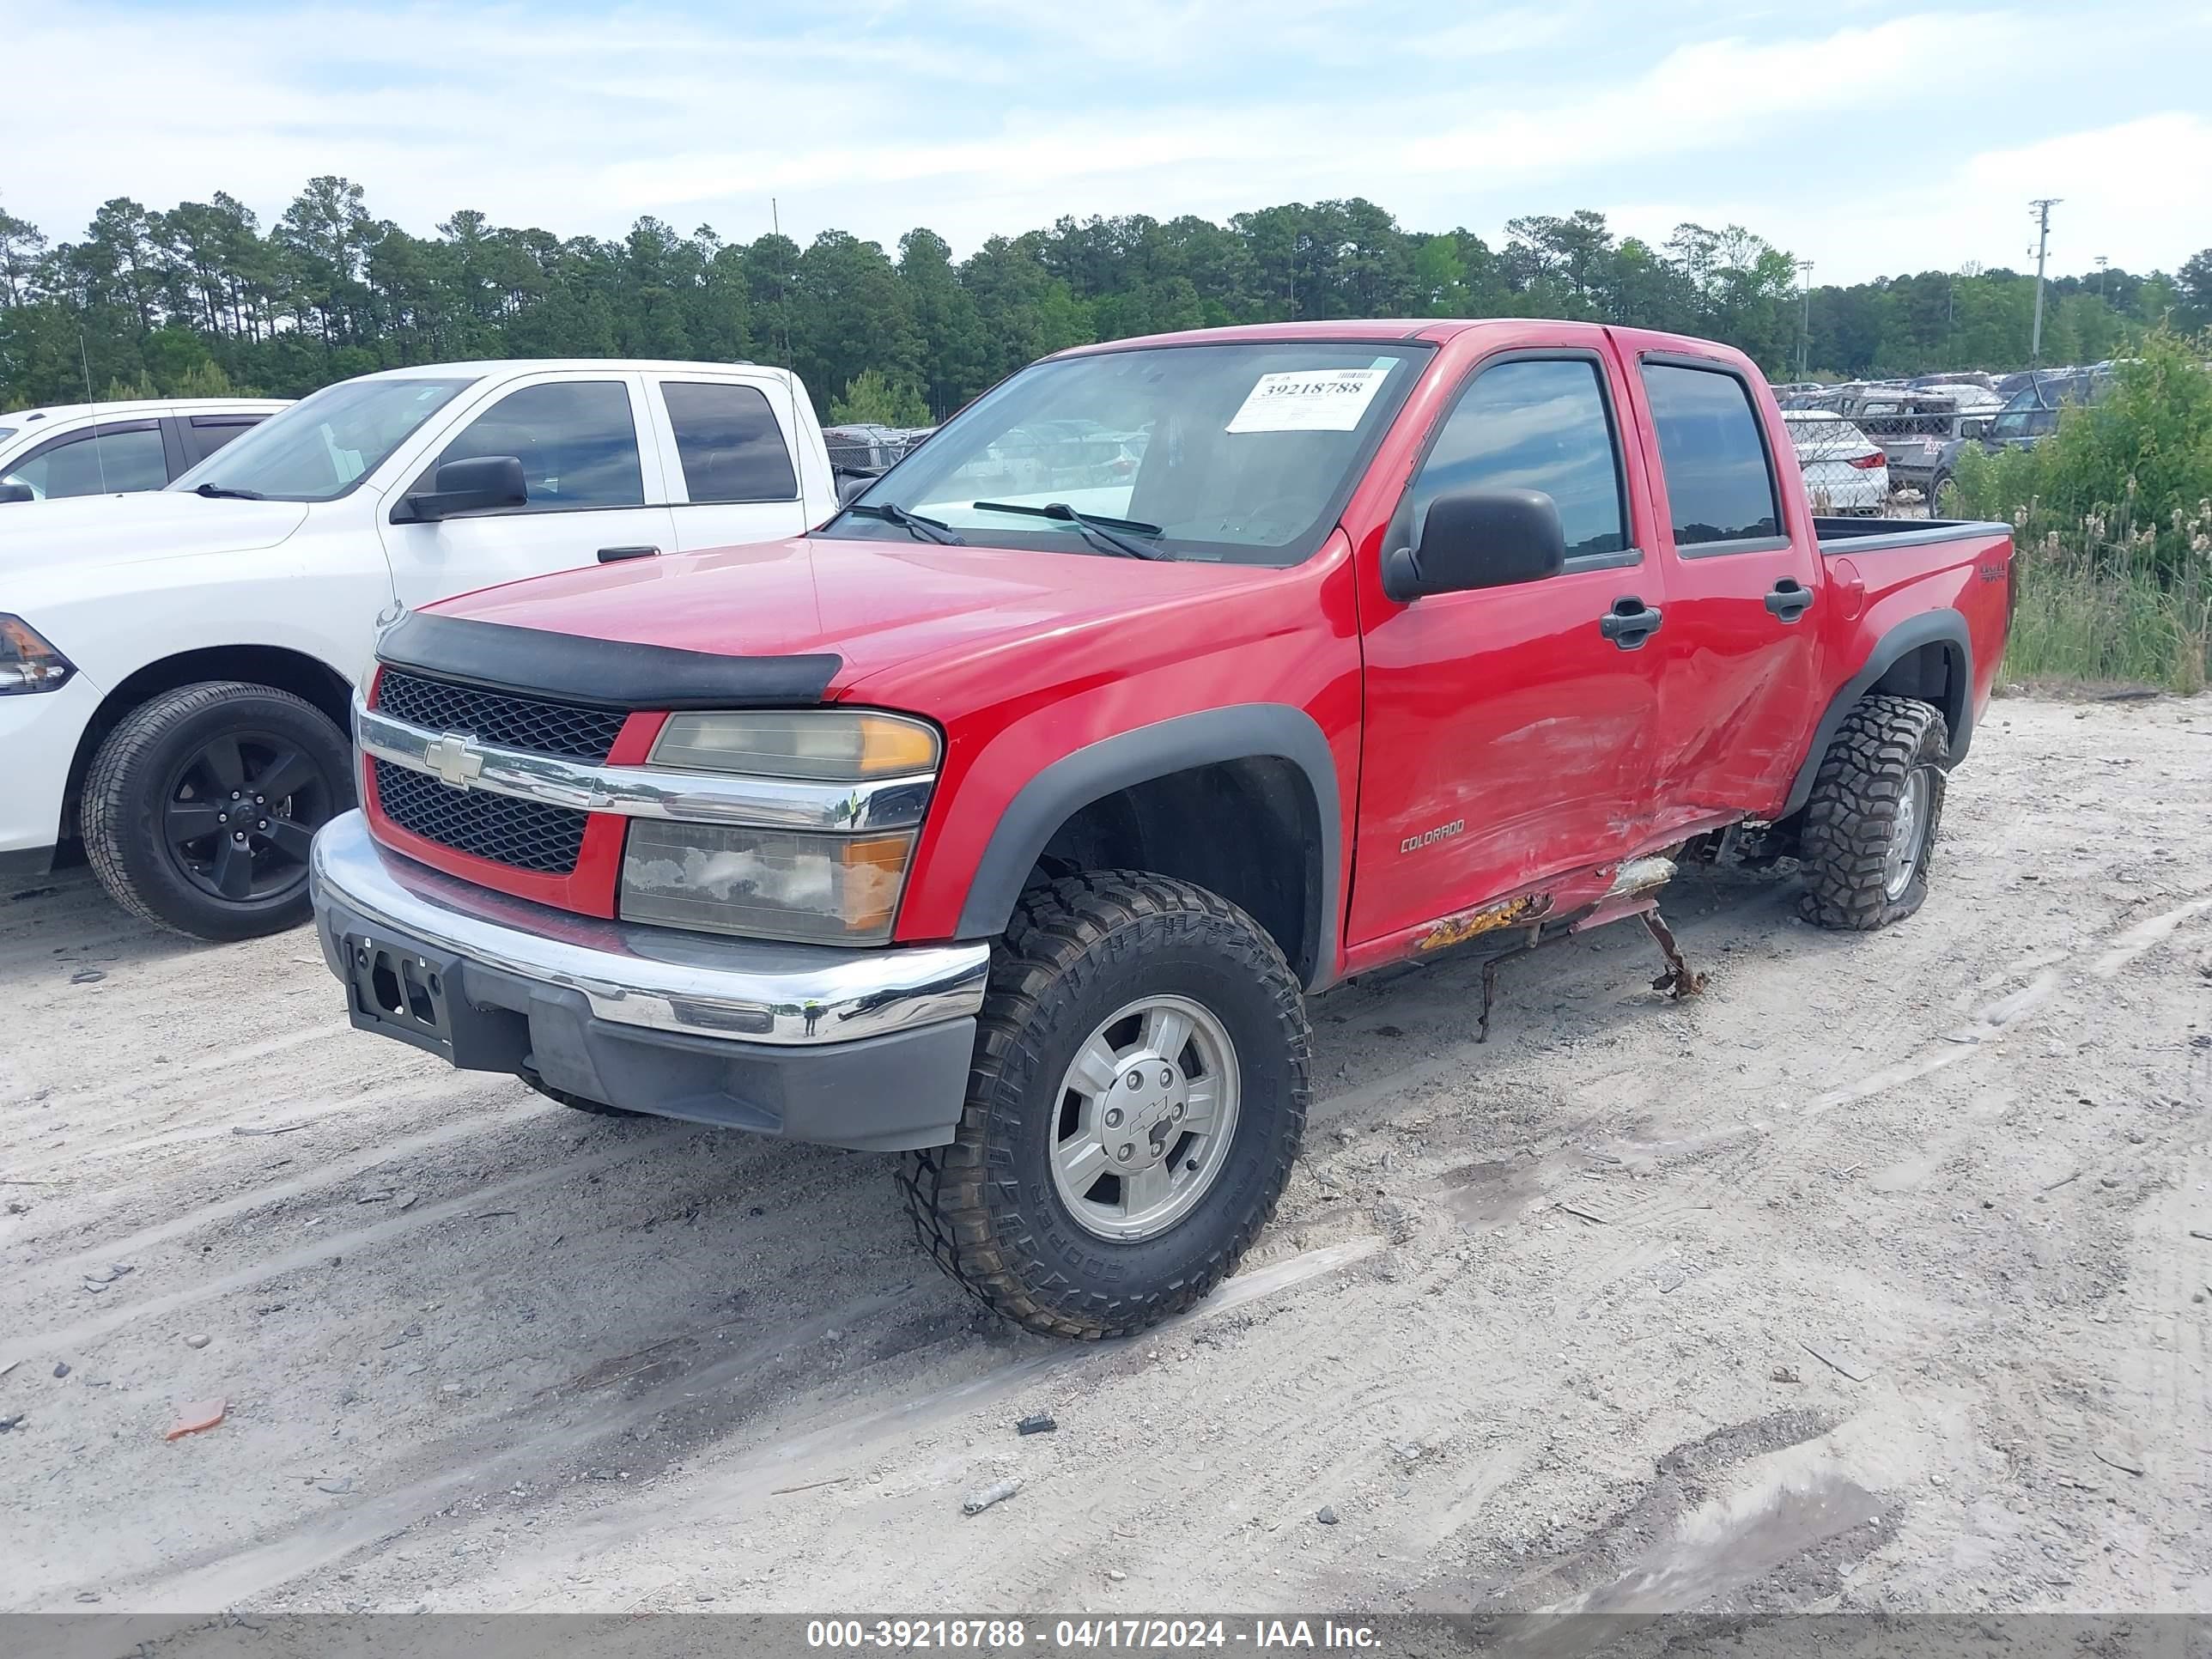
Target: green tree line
204,296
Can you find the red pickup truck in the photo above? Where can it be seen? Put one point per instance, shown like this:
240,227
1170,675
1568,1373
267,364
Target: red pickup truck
1006,820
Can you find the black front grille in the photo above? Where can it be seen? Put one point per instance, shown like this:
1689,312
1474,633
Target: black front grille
520,833
499,718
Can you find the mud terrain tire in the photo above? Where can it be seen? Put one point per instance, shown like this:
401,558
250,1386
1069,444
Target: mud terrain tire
1871,822
990,1208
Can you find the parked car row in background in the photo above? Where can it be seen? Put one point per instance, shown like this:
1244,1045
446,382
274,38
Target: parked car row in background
1923,425
176,667
112,449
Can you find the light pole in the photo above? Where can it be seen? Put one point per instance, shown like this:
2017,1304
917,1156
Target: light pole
1805,318
2101,263
2042,205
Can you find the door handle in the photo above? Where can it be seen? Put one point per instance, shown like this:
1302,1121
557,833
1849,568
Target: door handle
1789,599
1629,624
616,555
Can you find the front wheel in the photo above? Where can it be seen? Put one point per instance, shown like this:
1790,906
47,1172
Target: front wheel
1138,1092
200,805
1870,824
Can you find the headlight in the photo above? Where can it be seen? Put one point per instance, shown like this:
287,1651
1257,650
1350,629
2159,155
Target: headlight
809,886
826,745
28,663
765,884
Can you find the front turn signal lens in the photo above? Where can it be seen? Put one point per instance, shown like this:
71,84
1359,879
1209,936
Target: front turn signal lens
835,745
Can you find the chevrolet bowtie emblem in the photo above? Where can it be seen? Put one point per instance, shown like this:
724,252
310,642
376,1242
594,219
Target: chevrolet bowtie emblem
453,761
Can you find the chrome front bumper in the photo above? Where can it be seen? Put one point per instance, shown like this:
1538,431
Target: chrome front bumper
657,979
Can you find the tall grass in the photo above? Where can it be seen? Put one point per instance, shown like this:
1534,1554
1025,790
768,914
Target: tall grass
2097,605
2111,521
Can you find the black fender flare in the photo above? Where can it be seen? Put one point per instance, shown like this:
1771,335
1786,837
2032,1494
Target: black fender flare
1946,628
1239,731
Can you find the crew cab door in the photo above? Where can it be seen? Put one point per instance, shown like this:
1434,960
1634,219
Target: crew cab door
593,488
1508,730
1738,691
727,444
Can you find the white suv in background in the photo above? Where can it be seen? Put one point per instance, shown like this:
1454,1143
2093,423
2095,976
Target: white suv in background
176,667
113,449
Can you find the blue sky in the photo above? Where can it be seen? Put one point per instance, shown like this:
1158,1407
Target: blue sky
1869,138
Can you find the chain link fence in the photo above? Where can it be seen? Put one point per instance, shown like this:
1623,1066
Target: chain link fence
1915,432
863,451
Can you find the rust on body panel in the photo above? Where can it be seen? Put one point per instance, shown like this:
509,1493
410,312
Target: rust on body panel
1484,919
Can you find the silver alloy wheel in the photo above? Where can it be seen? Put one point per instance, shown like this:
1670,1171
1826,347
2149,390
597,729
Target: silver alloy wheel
1908,834
1149,1101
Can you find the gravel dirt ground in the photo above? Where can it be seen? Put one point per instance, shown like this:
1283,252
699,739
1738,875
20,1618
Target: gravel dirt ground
1875,1277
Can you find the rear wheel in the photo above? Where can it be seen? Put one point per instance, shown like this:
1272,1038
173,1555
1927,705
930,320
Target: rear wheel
1138,1092
199,807
1870,824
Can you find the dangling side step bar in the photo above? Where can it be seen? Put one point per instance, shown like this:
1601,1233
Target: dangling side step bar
1635,892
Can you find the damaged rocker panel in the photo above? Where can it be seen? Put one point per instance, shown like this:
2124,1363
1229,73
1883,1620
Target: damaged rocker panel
1484,919
1633,892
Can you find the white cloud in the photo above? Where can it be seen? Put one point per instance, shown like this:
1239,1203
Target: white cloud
980,116
2140,193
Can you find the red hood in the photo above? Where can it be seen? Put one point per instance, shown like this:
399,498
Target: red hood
875,604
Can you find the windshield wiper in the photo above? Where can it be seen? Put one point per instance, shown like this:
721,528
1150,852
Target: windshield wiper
219,492
1099,532
922,529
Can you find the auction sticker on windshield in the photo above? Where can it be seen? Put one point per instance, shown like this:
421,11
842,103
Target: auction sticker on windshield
1315,400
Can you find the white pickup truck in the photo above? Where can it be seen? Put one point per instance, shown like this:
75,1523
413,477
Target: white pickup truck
176,667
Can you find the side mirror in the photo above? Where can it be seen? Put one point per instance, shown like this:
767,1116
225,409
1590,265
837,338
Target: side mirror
17,492
1475,538
471,486
850,485
1976,426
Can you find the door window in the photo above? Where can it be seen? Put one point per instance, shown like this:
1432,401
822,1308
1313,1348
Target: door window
102,463
205,434
1720,486
727,438
575,440
1534,424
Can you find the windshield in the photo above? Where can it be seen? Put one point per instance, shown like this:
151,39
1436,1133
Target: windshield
1235,454
321,447
2033,410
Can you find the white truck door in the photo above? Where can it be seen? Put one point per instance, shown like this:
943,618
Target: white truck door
593,489
728,449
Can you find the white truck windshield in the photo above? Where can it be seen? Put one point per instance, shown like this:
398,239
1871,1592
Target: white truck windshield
323,445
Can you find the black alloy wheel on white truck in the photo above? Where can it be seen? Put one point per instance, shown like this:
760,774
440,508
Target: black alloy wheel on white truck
199,806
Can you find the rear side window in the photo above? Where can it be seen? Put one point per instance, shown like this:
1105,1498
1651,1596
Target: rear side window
731,448
1535,424
1719,486
105,462
575,440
